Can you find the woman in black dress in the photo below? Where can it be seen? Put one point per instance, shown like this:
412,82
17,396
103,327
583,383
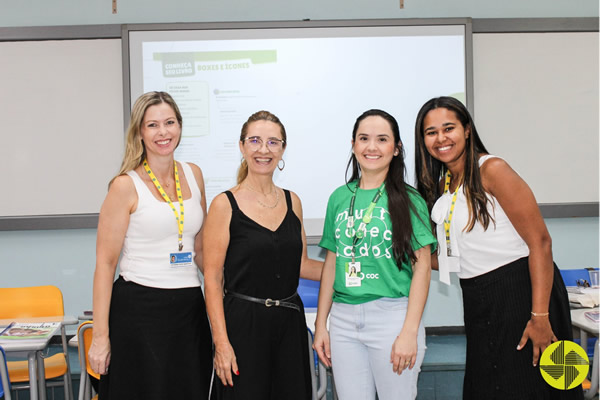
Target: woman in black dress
255,252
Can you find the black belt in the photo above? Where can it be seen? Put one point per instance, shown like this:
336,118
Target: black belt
267,302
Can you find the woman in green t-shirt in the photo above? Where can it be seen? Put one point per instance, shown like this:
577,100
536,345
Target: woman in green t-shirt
375,280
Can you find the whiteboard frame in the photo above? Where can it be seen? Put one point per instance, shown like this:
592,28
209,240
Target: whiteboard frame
488,25
312,226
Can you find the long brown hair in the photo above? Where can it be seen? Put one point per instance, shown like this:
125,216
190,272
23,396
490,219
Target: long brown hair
399,204
135,152
258,116
430,170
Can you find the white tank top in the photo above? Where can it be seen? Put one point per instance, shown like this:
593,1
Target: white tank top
479,251
152,236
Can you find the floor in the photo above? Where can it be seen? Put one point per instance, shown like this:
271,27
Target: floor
443,368
440,378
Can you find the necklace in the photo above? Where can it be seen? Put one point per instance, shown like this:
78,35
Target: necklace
266,194
258,191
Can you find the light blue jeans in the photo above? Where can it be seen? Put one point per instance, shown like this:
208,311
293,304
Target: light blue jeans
361,339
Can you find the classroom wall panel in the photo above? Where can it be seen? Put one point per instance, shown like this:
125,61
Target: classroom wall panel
62,117
536,105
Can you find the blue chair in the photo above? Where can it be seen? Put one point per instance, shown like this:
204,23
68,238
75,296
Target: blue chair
4,381
309,292
572,276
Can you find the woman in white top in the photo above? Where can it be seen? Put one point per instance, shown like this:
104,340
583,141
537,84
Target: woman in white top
151,335
490,230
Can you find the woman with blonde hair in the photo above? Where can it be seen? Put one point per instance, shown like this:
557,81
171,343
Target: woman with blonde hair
151,335
255,251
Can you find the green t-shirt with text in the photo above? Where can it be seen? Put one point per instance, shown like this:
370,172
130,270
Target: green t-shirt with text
379,274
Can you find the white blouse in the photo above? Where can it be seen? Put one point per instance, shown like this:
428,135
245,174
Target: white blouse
152,236
479,251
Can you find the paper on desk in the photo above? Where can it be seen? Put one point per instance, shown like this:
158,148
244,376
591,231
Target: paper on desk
29,330
587,297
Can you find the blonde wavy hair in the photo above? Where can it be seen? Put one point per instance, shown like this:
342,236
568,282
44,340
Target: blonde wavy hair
258,116
135,151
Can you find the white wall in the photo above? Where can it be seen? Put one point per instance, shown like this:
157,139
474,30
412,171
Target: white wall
78,12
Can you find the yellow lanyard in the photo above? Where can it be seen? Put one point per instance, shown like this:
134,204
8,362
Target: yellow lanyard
449,219
178,216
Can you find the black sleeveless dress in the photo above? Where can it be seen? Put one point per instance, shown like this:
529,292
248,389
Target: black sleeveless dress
270,343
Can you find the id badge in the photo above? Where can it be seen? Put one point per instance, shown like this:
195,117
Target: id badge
182,259
353,274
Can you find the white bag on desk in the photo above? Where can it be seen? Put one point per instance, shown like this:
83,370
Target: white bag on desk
583,297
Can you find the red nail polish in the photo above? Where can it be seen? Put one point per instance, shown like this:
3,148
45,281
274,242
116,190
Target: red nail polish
237,372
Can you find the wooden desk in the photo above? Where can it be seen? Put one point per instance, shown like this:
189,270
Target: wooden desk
32,348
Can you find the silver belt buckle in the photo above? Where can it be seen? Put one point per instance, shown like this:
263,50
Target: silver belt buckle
271,302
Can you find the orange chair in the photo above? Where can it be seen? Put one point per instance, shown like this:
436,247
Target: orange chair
84,341
4,382
37,301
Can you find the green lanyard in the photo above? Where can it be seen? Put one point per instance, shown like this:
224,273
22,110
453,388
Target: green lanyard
448,220
178,215
367,217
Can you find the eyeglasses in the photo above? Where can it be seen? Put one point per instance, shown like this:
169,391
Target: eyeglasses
255,143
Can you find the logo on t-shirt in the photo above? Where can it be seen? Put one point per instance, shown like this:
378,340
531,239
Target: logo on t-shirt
377,240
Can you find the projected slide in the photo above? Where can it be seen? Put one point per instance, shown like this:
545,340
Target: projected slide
316,80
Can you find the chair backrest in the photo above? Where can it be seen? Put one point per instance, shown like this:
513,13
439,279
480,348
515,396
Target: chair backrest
4,380
84,337
34,301
309,292
571,276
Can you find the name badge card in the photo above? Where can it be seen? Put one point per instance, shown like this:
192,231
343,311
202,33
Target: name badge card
353,274
183,259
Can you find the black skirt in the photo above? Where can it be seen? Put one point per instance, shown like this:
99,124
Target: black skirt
497,307
161,346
